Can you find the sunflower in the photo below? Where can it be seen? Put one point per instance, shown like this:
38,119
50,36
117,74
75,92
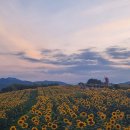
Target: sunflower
99,128
117,111
66,128
104,108
13,128
91,123
99,113
118,126
89,119
20,122
83,114
77,120
54,126
70,111
108,127
34,128
69,123
44,127
112,122
103,116
91,115
36,122
113,113
74,115
81,124
108,103
49,124
32,111
34,118
47,118
39,113
121,115
114,117
75,108
63,112
65,120
23,118
25,125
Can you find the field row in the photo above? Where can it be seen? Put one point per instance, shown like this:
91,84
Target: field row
66,108
71,108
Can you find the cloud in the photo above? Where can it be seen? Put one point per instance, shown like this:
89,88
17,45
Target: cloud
82,56
81,62
118,52
21,55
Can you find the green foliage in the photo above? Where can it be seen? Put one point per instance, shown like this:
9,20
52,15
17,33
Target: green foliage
14,114
94,81
15,87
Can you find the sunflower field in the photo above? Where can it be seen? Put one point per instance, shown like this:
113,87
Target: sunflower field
65,108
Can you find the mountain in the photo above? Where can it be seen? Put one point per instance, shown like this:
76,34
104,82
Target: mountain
128,83
5,82
125,85
50,82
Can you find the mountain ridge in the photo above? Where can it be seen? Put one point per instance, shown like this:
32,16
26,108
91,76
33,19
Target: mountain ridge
5,82
128,83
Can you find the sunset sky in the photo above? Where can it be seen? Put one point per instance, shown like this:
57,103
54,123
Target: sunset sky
65,40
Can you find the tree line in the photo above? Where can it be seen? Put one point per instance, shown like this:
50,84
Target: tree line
15,87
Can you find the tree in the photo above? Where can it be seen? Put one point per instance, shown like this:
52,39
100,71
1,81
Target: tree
94,81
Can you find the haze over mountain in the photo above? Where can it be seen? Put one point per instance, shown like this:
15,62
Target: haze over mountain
128,82
5,82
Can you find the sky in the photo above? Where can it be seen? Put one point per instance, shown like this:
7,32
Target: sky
65,40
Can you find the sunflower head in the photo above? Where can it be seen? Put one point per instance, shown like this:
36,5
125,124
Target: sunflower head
34,128
81,124
54,126
13,128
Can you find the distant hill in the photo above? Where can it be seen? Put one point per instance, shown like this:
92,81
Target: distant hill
127,82
125,85
50,82
5,82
